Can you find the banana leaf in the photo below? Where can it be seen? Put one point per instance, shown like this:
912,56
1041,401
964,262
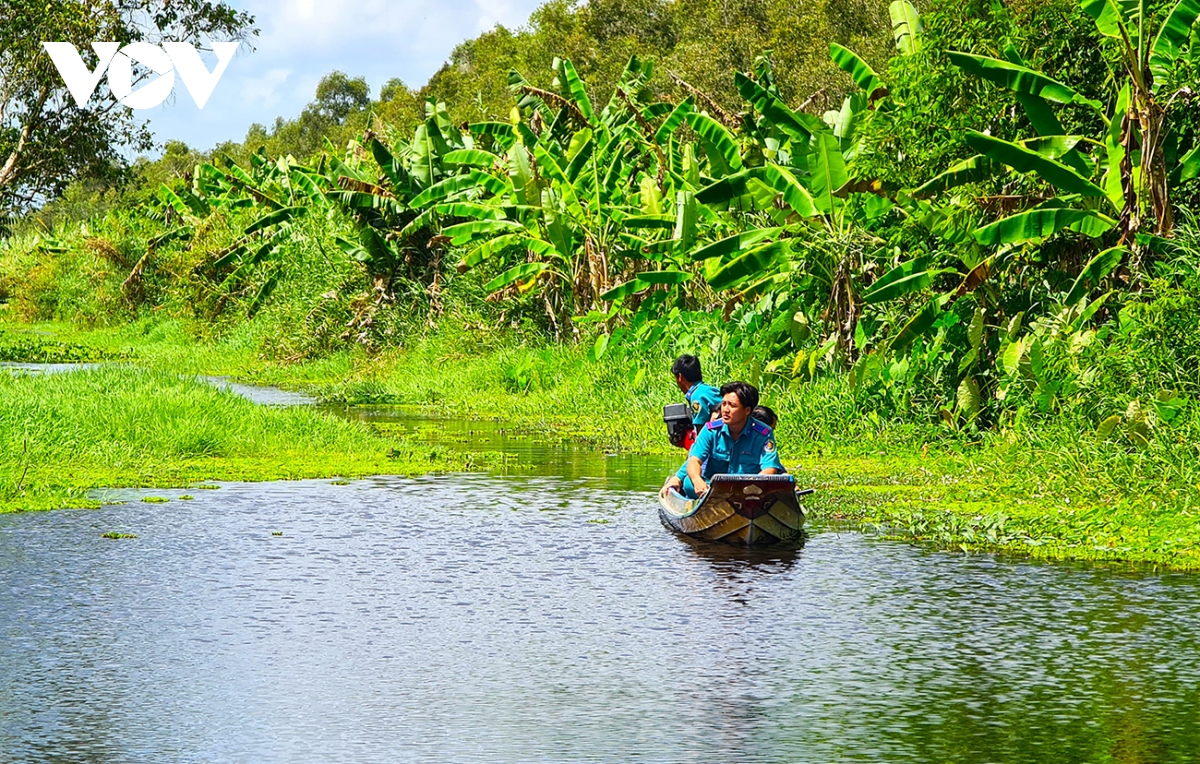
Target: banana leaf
1172,36
463,232
722,147
664,277
1096,269
918,325
277,217
472,158
489,248
903,280
751,264
1041,223
459,184
850,62
522,272
1020,79
572,87
736,243
906,27
673,120
828,170
796,125
1022,159
973,170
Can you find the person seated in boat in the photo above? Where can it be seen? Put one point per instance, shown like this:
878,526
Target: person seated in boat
680,480
736,444
767,416
703,398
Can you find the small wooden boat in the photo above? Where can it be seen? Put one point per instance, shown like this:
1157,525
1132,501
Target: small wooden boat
744,510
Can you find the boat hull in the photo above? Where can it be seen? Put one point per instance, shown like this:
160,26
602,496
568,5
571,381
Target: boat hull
742,510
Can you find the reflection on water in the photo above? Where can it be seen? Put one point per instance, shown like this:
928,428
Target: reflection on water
524,452
265,396
526,619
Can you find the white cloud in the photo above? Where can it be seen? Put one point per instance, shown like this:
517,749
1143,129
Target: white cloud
302,40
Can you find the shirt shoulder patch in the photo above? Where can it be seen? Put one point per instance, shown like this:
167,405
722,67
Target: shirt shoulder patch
760,428
715,425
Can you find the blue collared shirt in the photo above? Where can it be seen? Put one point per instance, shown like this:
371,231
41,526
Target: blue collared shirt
704,400
753,451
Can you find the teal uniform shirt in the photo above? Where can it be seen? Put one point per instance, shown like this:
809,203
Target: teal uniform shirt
753,451
704,400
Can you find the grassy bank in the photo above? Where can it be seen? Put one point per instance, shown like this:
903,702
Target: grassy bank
1053,491
63,435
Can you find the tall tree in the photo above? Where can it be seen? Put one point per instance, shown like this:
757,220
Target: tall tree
46,139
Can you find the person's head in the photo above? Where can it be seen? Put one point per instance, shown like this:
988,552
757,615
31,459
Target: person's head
765,415
686,370
738,399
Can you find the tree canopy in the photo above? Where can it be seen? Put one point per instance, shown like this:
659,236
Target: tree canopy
46,139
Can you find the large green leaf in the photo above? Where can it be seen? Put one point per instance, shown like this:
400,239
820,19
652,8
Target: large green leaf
797,125
1190,164
624,289
572,87
906,26
463,232
274,218
972,170
1097,268
728,188
664,277
1022,159
903,280
673,120
490,248
1043,222
472,158
470,210
794,194
723,147
751,264
522,272
1019,79
736,243
473,180
1172,36
1111,16
828,170
391,166
918,325
850,62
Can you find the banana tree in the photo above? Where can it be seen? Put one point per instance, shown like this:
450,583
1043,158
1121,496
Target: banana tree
1118,180
591,203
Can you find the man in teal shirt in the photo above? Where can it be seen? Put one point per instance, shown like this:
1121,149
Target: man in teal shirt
737,444
702,397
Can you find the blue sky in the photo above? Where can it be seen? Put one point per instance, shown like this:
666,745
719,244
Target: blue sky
301,40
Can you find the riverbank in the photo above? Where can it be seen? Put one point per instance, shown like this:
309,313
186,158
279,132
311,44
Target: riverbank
1051,492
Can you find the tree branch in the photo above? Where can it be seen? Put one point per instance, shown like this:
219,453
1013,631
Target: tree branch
9,171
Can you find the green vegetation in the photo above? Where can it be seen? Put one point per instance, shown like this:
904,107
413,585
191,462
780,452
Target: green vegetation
63,435
967,281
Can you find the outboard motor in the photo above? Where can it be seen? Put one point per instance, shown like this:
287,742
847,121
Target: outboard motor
678,417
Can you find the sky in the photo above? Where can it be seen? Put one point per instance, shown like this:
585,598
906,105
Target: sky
301,40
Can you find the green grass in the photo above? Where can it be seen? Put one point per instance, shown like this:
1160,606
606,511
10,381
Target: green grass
1049,490
61,436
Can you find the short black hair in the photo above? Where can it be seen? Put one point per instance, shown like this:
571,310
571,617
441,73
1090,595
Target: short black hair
689,367
765,415
746,393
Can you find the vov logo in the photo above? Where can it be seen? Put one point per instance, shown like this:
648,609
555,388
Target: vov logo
164,61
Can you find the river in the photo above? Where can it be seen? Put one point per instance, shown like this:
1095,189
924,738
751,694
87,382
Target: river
549,617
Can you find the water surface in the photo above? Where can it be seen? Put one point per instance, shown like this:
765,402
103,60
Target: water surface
475,618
